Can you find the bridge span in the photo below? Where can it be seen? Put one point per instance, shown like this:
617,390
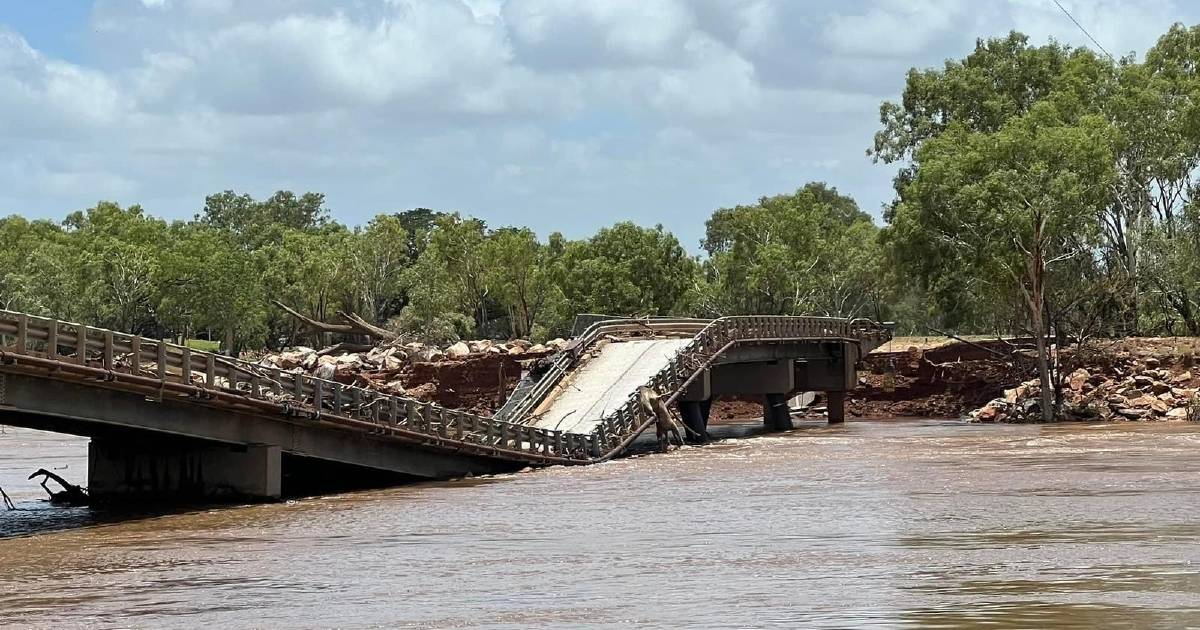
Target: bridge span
170,423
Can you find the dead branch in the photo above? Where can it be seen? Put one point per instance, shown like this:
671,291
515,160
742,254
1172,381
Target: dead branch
354,325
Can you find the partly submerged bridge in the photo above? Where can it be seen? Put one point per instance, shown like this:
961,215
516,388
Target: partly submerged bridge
169,422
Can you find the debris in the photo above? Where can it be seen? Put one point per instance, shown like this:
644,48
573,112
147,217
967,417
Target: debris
71,494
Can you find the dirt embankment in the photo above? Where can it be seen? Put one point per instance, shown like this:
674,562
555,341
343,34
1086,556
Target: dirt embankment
1139,378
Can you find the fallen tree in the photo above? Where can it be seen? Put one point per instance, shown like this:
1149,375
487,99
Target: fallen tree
354,325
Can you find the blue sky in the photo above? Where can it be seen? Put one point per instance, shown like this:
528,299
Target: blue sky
564,116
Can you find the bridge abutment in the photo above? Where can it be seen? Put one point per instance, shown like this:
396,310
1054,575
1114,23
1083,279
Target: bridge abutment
123,470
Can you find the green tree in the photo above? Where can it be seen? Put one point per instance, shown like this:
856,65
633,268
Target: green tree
1008,206
628,270
810,252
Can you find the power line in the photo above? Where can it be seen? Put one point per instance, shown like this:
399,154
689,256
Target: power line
1085,31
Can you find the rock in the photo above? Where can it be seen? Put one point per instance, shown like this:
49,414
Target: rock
425,355
458,350
1010,395
537,348
310,361
987,414
1143,402
1117,400
1178,413
325,370
1078,379
392,363
1151,362
515,349
349,359
1141,381
556,344
481,345
494,350
1160,387
1182,378
1183,393
522,343
1133,414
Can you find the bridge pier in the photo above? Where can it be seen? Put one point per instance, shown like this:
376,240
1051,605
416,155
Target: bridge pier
695,416
124,470
776,414
835,407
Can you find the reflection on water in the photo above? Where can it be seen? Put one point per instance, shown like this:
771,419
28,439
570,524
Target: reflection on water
923,525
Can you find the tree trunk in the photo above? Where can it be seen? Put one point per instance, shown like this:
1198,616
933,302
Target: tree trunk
229,340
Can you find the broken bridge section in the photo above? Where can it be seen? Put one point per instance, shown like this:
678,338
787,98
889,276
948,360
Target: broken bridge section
604,382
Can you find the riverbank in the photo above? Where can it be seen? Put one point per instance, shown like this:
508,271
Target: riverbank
996,381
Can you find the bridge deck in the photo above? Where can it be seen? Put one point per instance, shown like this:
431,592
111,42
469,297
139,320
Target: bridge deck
604,383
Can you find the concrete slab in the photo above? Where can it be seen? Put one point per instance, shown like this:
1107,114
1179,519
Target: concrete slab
602,384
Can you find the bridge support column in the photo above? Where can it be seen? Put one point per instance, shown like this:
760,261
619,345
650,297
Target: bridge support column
776,415
836,407
182,472
695,416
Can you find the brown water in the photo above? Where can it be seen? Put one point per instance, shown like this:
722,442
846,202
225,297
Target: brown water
920,525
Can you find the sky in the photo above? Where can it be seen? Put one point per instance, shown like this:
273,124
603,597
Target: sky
561,115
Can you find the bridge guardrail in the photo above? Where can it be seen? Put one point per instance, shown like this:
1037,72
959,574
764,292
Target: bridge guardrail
152,366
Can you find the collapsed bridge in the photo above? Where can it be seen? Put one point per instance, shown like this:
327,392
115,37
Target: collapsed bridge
169,422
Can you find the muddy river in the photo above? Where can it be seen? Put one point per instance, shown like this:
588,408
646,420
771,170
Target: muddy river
889,525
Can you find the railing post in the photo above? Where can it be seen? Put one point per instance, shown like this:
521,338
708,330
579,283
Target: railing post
337,398
393,411
81,344
135,354
52,341
22,333
162,360
298,385
108,350
185,370
318,395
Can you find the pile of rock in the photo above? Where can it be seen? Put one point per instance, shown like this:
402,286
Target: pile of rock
385,366
1143,391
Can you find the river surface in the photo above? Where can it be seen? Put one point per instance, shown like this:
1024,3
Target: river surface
888,525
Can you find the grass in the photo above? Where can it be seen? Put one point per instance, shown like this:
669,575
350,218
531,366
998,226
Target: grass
204,345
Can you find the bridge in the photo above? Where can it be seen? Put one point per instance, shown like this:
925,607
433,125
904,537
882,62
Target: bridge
167,422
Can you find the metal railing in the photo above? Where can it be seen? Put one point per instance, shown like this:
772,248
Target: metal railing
161,369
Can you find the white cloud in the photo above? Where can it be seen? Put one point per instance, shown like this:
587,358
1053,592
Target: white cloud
562,114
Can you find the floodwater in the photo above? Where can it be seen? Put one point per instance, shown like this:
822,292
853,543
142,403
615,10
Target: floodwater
889,525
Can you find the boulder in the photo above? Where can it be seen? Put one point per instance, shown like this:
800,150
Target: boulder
458,350
1178,413
1078,379
392,363
1133,414
988,414
494,350
426,354
515,349
1160,387
524,344
537,348
556,344
480,345
1143,402
1142,381
325,370
1182,378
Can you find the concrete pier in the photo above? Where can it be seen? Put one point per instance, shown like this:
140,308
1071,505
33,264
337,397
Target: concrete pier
182,472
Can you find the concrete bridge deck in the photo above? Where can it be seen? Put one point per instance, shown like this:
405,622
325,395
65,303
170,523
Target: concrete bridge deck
168,421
